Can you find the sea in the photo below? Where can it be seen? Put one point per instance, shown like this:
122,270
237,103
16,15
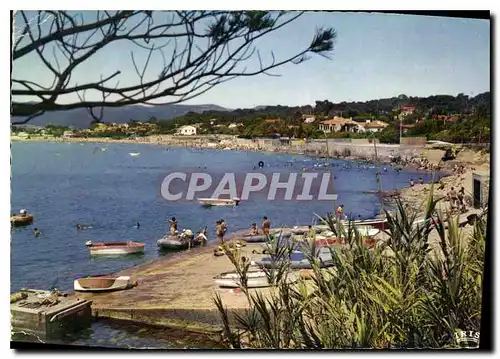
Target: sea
106,188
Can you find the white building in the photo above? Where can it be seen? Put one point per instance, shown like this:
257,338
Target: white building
375,126
186,130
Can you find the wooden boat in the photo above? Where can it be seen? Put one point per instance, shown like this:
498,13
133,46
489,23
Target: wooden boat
255,279
21,219
209,202
102,283
115,248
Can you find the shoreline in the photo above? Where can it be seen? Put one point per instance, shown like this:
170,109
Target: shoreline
415,164
168,277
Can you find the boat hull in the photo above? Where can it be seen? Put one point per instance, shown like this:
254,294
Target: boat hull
102,284
118,248
298,261
210,202
256,279
172,243
18,220
260,238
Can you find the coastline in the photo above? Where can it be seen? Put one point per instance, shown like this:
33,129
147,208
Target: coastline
422,163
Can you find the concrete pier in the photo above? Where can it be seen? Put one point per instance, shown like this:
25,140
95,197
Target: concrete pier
175,291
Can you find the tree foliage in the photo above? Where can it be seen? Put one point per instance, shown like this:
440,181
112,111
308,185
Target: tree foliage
193,51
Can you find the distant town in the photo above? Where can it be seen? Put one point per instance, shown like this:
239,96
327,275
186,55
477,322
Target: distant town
458,119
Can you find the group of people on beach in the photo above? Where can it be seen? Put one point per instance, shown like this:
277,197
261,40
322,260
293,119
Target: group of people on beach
457,199
221,228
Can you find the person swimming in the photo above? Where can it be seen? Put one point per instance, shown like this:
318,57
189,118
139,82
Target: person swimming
36,232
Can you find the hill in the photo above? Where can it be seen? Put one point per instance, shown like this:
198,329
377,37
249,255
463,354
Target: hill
80,118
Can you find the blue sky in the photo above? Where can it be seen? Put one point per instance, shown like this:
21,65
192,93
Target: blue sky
375,56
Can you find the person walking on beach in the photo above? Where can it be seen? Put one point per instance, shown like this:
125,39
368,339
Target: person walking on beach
266,226
420,180
412,182
219,232
173,225
453,196
461,199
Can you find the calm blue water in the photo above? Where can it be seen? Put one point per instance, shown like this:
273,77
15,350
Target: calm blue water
63,184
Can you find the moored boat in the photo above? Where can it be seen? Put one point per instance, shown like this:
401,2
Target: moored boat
209,202
134,154
115,248
255,279
263,238
102,283
380,223
21,219
299,260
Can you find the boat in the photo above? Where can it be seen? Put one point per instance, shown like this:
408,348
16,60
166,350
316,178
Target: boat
299,260
209,202
263,238
112,248
21,219
183,240
255,279
102,283
380,223
134,154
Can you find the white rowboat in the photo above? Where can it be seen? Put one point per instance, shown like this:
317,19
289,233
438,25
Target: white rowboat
115,248
219,202
255,279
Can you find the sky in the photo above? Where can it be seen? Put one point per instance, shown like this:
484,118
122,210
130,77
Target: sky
375,56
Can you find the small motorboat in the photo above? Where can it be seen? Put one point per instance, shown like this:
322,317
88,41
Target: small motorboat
134,154
263,238
184,240
255,279
209,202
115,248
102,283
18,220
299,260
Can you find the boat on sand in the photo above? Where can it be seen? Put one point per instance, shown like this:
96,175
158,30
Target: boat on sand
115,248
255,279
209,202
103,283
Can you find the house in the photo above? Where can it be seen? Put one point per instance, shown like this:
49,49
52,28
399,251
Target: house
68,134
340,124
405,128
445,118
308,119
407,110
186,130
234,125
272,120
374,126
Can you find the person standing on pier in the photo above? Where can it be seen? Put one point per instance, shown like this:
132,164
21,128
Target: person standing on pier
173,225
266,226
